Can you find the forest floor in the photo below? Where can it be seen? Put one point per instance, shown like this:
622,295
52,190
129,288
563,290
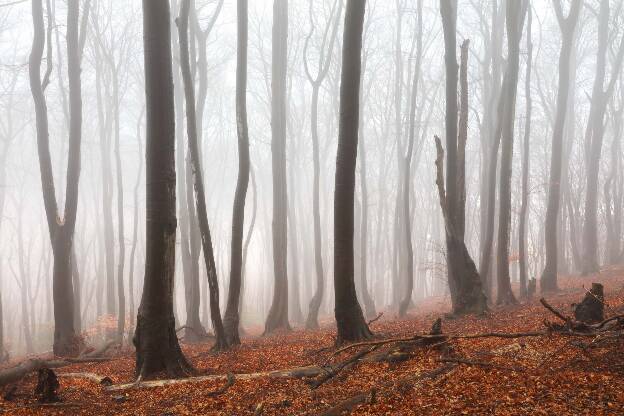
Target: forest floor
549,375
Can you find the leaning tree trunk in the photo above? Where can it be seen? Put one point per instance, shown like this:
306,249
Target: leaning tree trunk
278,314
516,11
349,318
567,25
157,347
200,198
324,63
61,232
463,279
232,312
524,206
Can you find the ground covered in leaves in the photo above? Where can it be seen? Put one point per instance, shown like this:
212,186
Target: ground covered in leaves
549,375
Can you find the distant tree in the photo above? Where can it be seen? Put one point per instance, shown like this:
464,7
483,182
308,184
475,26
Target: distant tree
60,227
198,181
463,279
232,317
349,317
157,347
567,25
524,206
325,57
278,314
594,135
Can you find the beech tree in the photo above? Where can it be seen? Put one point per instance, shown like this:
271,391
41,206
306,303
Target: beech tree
349,317
157,347
278,314
61,225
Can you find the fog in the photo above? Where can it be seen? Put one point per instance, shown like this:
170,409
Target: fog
113,108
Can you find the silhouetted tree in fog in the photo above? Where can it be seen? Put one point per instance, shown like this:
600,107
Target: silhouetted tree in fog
155,339
349,318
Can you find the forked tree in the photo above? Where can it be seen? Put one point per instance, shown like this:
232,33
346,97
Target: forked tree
157,347
463,279
198,180
349,317
61,224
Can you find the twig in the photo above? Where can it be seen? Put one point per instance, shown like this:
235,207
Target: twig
375,319
221,390
554,311
466,361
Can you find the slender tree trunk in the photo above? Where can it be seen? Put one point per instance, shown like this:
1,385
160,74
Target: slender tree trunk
135,231
157,347
524,207
568,26
278,314
349,318
516,11
200,198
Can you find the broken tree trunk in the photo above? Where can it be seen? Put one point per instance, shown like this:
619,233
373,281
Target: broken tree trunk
591,309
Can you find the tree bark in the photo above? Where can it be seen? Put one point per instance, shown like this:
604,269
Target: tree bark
349,318
156,343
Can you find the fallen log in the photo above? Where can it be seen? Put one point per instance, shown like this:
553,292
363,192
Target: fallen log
295,372
96,378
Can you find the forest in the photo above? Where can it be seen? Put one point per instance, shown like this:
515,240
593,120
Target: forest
311,207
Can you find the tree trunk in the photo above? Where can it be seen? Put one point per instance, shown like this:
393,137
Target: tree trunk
516,11
278,314
463,279
568,26
135,221
323,68
524,206
61,231
200,198
232,312
349,318
156,343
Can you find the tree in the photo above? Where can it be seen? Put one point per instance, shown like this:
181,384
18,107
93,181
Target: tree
406,212
325,56
567,25
232,318
463,279
278,314
594,135
522,255
516,12
198,182
157,347
349,317
60,227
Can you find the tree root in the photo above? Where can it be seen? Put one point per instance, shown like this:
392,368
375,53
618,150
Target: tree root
96,378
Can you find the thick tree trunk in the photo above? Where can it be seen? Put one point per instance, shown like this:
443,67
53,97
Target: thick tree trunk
156,343
516,11
524,206
200,198
278,314
567,25
349,318
232,312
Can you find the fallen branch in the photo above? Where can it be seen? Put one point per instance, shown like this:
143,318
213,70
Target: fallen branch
96,378
554,311
375,319
295,372
335,370
486,364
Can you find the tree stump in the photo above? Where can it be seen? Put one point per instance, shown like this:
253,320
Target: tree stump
591,309
47,386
